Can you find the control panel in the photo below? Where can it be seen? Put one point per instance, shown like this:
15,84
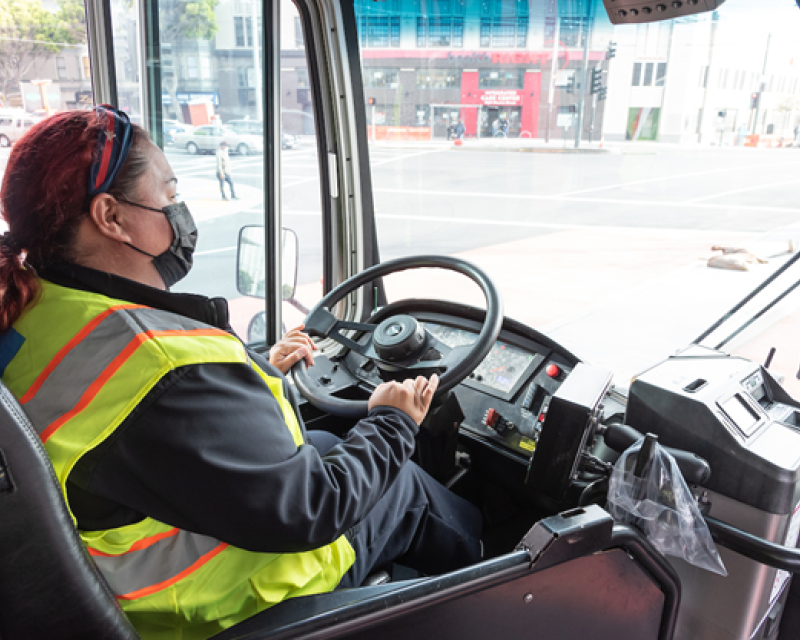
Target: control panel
514,424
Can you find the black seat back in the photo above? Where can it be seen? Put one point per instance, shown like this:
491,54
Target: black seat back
49,585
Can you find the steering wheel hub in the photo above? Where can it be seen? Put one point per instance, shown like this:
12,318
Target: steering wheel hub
398,338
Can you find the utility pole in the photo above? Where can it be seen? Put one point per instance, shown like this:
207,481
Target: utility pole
553,71
709,74
761,84
584,71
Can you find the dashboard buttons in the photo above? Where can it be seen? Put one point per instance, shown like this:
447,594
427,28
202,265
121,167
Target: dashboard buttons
552,370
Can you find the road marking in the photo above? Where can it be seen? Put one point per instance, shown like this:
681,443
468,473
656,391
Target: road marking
408,155
548,225
674,177
564,198
745,189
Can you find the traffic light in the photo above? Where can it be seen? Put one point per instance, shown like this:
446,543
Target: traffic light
371,101
611,51
571,84
597,79
754,100
601,95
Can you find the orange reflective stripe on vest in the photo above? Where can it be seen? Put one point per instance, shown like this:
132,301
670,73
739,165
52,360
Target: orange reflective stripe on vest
86,363
156,563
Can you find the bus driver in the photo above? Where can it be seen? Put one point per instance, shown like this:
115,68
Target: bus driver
189,474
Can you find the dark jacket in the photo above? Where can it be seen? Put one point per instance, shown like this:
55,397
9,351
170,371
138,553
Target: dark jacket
207,449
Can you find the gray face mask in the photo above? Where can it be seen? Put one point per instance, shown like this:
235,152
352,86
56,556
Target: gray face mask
175,262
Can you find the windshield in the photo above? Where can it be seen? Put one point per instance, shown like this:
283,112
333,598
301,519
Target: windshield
596,172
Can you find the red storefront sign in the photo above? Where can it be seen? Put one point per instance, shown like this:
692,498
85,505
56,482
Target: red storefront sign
501,97
527,98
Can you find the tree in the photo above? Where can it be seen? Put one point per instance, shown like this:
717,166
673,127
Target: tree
182,20
28,32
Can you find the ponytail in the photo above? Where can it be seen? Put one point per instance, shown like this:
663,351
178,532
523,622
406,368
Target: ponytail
19,285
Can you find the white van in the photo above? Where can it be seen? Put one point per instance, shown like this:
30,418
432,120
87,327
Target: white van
13,124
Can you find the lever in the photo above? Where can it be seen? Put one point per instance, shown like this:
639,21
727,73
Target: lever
645,456
694,468
770,355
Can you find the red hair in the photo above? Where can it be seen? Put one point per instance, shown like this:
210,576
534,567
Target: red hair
43,199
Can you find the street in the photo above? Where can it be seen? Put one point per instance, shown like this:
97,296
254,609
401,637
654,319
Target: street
582,245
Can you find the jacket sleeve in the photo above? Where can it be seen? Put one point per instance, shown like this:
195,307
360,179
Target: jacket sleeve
208,450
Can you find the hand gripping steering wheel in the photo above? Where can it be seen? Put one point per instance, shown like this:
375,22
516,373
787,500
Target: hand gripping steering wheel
399,343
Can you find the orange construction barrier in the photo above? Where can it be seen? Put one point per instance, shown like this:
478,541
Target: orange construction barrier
400,133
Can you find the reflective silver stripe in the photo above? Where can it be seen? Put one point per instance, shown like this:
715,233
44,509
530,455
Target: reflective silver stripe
165,560
79,368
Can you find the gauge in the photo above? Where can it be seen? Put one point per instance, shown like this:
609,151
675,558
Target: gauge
451,337
501,368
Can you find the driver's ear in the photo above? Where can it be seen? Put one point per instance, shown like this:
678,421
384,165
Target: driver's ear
109,217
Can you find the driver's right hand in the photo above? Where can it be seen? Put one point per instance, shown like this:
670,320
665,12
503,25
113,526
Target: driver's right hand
411,396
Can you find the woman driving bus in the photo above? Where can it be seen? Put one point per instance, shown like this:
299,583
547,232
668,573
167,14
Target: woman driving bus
182,458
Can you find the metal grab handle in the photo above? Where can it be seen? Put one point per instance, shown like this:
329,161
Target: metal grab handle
753,547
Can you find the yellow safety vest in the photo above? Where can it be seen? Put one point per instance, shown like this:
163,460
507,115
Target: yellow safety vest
82,363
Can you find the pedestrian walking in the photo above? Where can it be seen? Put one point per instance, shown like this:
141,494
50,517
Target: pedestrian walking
224,170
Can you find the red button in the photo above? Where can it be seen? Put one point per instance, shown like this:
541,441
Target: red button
542,416
491,418
552,370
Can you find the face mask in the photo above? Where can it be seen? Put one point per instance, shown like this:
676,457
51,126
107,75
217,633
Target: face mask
175,262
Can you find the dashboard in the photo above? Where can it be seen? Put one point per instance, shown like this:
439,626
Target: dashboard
505,398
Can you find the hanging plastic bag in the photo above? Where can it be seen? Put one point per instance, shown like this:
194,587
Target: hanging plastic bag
660,504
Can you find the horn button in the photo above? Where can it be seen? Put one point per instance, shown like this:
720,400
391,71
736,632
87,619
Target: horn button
398,338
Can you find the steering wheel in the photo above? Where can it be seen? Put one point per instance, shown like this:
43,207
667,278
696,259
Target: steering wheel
399,343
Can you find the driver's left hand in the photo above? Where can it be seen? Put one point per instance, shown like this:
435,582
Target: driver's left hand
292,348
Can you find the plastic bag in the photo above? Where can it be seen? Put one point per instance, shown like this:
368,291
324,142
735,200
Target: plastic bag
662,507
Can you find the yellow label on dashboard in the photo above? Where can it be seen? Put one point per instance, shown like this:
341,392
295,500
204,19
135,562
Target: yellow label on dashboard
527,443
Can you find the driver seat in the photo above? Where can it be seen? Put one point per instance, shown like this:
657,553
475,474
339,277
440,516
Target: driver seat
49,586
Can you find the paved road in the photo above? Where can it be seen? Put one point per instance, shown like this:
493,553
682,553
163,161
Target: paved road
445,200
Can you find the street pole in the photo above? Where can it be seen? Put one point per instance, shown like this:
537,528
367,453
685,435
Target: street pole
761,84
594,109
584,71
553,70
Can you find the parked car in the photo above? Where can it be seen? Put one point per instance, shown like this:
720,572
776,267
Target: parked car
206,139
13,125
256,127
173,127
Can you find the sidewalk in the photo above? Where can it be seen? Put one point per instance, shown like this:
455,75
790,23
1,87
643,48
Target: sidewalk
530,145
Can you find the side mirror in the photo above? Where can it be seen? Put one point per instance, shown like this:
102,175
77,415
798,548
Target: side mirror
251,262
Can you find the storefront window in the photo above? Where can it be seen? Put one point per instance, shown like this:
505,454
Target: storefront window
438,78
506,78
637,74
661,73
